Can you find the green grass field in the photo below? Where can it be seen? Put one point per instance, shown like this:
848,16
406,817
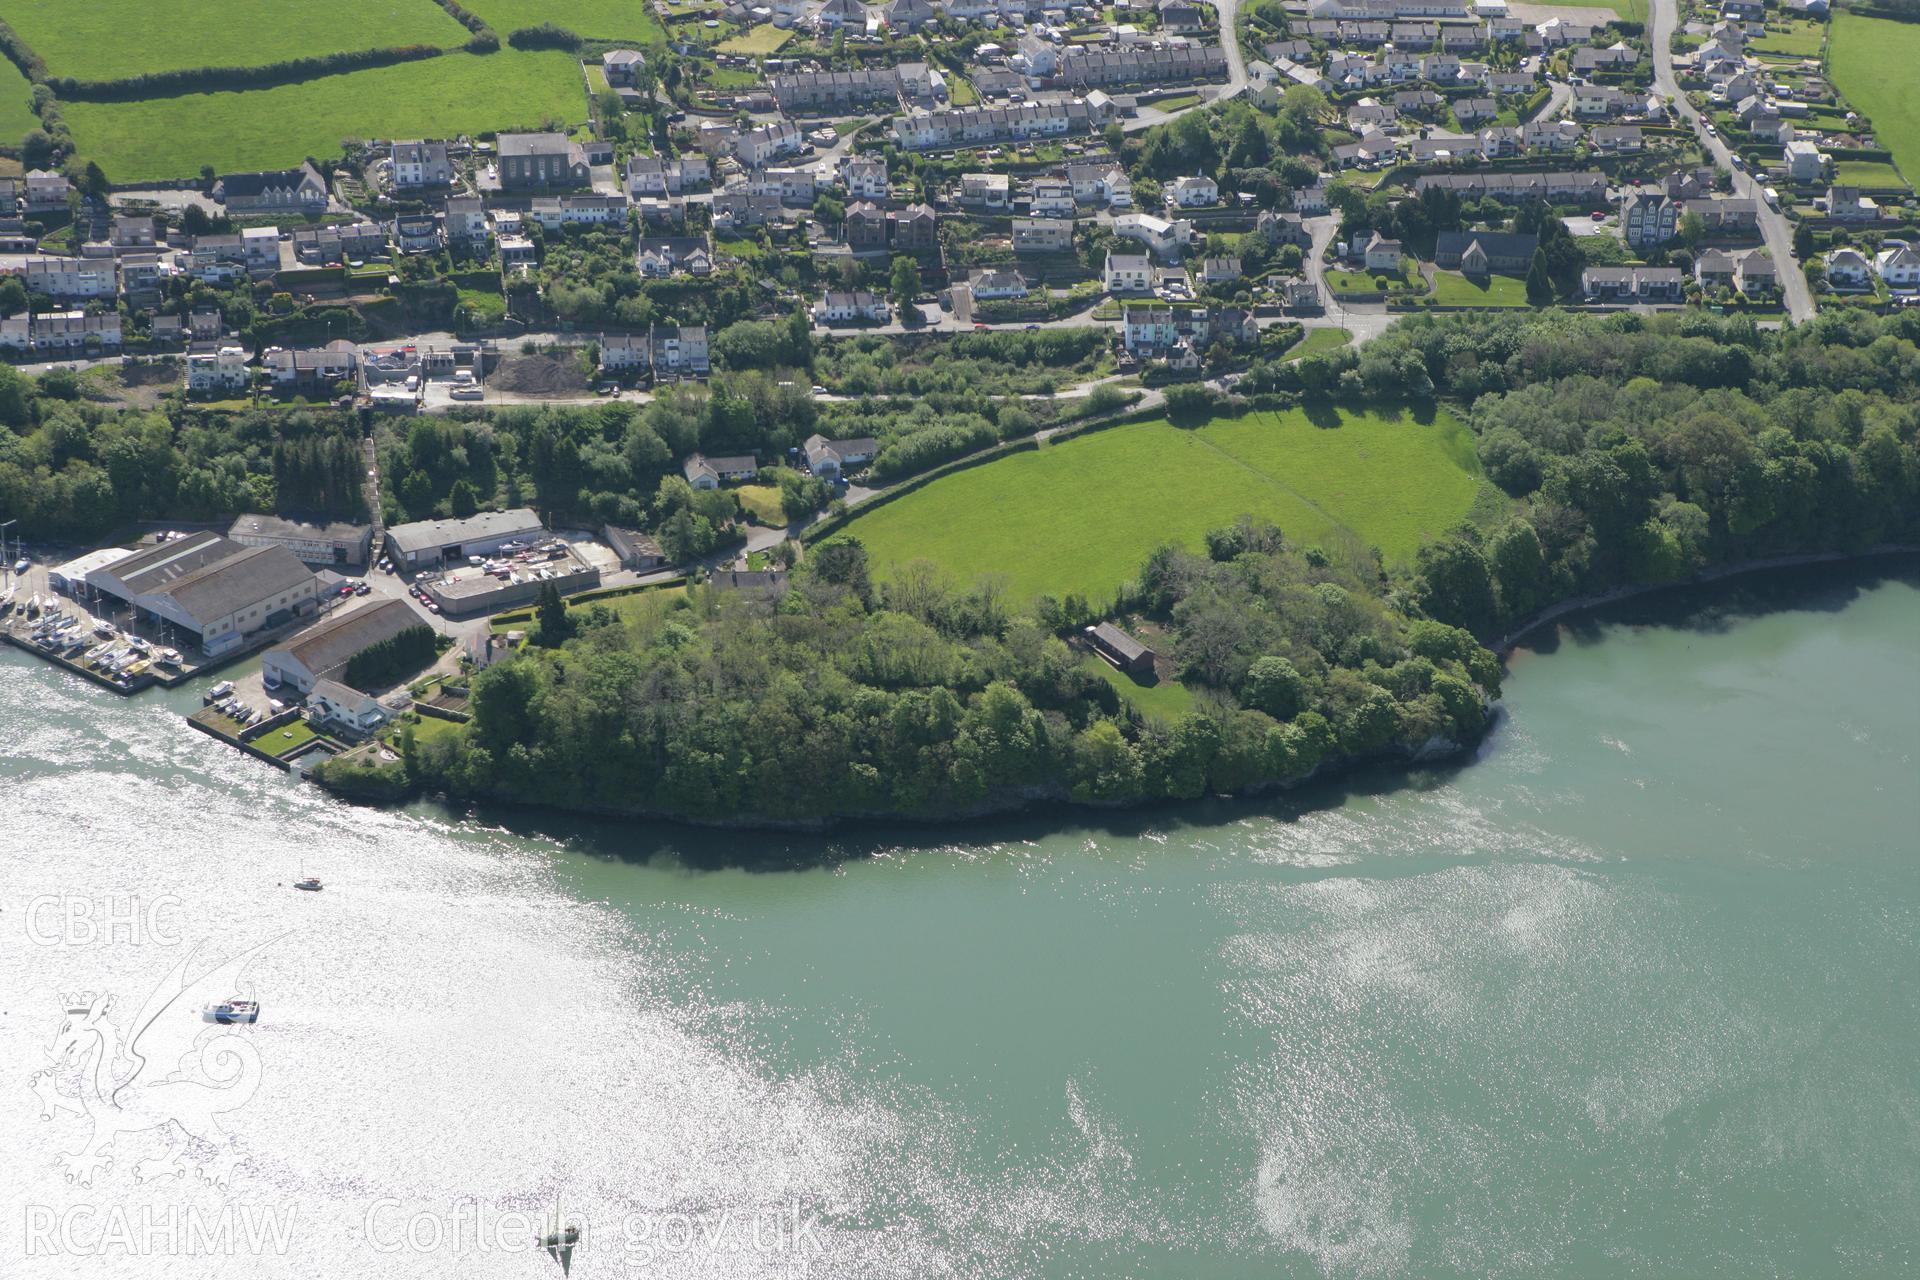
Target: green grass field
1169,699
111,39
1317,340
1802,41
1082,515
1870,174
1872,61
759,41
597,19
270,128
1451,289
1632,10
16,105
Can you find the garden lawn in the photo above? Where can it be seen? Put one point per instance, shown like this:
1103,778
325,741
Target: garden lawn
1326,338
1082,515
1871,61
1632,10
759,41
16,105
1167,700
274,128
1406,277
1803,41
595,19
432,728
279,742
114,39
1451,289
763,502
1871,174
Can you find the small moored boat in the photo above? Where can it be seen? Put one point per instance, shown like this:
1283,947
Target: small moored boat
311,884
232,1011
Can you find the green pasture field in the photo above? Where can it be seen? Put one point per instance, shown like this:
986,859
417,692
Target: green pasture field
595,19
1081,515
114,39
1871,61
16,105
274,128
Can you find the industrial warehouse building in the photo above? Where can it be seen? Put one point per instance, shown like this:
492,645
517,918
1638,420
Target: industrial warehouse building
469,591
321,542
215,591
71,578
426,543
322,652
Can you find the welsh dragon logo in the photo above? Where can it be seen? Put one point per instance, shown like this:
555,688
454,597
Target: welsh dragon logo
168,1069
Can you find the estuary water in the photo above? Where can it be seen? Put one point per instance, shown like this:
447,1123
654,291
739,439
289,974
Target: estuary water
1631,994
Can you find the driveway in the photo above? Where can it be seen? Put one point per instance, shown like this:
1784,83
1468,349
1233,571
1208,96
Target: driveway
1775,230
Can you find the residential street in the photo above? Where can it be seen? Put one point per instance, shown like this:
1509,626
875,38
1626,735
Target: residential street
1774,228
1236,84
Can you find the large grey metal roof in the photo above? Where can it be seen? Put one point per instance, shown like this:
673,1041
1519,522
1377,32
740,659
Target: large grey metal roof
333,643
424,535
249,578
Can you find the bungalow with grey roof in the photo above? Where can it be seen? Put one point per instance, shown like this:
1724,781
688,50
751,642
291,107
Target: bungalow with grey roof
830,459
706,473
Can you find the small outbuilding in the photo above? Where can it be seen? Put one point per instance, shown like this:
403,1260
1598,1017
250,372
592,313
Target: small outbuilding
1121,649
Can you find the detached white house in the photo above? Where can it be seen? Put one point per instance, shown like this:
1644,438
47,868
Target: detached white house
1898,264
224,369
1127,272
1848,269
1194,192
997,282
1376,252
331,701
1158,234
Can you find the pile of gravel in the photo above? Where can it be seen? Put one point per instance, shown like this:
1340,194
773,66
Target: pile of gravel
539,375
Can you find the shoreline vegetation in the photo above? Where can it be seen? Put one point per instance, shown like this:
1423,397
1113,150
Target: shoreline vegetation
374,786
1505,645
1630,453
